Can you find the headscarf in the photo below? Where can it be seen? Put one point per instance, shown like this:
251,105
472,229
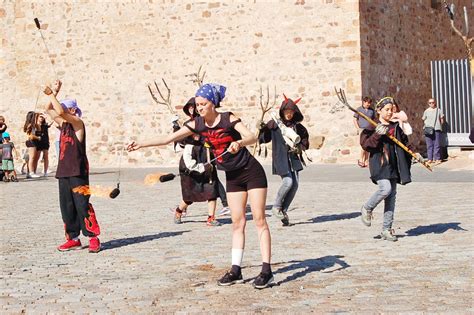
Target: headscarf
212,92
71,103
384,101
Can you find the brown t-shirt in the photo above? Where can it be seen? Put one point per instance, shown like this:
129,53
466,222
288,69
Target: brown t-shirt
72,153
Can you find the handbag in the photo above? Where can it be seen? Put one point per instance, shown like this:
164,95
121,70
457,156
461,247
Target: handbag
430,131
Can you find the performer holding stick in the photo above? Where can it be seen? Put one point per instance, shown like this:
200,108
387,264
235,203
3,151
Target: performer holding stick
198,176
72,172
287,159
245,176
389,164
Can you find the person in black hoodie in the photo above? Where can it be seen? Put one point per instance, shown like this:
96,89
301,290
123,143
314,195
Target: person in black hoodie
199,180
388,163
286,161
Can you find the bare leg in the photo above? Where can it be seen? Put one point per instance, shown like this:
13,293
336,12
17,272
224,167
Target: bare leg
31,162
45,161
366,158
258,198
237,203
211,207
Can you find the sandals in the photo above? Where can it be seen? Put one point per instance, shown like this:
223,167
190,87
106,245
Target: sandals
361,164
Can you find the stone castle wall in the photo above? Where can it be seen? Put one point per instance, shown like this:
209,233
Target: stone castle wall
398,42
107,52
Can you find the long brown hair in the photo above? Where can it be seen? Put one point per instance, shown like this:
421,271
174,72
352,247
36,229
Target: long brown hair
30,122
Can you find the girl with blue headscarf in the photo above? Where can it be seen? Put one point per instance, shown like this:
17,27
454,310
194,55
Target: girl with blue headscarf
227,137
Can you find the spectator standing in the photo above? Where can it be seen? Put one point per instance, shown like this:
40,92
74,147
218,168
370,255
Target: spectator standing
433,119
360,123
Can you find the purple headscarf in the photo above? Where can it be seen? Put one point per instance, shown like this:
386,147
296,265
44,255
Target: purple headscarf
71,103
212,92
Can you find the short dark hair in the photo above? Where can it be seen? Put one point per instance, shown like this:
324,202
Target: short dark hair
367,99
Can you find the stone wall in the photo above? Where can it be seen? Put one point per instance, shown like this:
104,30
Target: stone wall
107,52
398,42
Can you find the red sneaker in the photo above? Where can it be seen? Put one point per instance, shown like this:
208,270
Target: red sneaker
70,245
94,245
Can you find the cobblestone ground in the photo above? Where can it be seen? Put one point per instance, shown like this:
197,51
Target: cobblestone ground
327,261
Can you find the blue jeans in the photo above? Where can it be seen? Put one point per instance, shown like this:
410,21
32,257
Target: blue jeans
387,191
287,191
433,147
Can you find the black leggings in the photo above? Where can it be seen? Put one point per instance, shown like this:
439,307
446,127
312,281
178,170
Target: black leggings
77,213
249,177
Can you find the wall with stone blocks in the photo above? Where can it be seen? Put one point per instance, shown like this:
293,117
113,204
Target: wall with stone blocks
106,53
398,40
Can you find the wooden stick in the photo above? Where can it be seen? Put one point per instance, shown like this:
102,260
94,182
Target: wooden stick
342,97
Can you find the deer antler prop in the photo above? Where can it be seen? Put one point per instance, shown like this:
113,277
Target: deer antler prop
197,77
342,98
163,100
265,108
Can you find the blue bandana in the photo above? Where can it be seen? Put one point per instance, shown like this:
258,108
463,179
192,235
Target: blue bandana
212,92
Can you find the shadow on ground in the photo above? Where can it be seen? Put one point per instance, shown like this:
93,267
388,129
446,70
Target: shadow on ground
308,266
331,217
437,228
138,239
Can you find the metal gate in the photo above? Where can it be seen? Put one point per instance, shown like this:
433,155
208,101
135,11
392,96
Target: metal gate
451,85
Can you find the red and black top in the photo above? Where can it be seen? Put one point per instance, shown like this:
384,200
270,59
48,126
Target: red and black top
72,153
219,138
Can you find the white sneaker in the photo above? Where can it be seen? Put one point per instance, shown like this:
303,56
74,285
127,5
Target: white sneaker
366,216
224,211
34,175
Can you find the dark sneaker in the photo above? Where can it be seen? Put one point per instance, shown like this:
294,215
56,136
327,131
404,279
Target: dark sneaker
211,221
263,280
286,220
388,235
94,245
366,216
277,212
230,278
70,245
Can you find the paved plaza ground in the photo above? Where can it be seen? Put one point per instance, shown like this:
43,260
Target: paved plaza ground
325,262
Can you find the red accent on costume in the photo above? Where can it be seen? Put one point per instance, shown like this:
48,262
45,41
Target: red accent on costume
391,131
219,141
296,102
91,222
286,98
64,142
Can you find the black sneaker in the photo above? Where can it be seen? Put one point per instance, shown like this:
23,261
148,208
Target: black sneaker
286,220
230,278
263,280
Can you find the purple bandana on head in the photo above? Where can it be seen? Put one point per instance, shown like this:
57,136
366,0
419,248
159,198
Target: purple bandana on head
212,92
71,103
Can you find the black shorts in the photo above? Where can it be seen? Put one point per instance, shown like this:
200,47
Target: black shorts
42,146
249,177
31,144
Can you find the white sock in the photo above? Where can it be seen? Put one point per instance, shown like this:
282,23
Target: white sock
237,255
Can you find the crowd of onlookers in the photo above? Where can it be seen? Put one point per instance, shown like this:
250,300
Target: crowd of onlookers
37,143
433,124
